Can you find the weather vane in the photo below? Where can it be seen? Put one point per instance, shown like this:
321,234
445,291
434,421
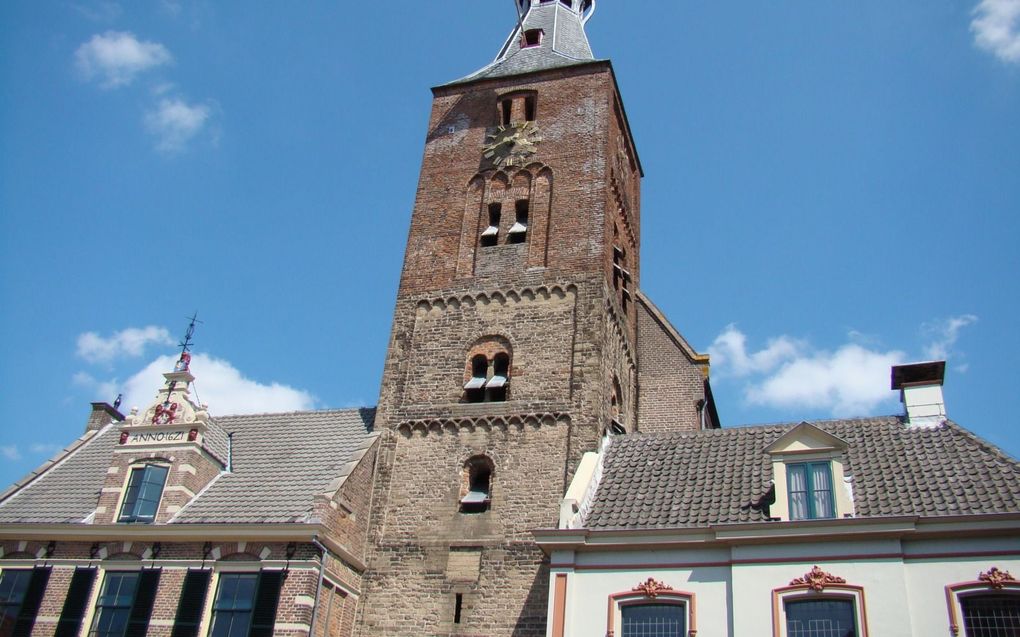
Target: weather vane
183,363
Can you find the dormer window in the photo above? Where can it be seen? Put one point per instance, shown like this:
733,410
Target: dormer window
809,485
491,233
532,38
809,475
144,490
519,231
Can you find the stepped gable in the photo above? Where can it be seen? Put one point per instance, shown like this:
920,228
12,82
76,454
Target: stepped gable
280,461
718,476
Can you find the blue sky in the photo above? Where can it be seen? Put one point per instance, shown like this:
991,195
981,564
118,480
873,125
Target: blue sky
830,188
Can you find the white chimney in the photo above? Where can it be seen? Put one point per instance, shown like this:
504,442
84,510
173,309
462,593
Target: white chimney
920,386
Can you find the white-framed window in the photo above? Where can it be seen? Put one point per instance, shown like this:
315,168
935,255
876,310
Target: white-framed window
652,609
819,604
143,493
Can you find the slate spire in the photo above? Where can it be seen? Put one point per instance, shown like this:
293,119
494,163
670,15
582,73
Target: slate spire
548,34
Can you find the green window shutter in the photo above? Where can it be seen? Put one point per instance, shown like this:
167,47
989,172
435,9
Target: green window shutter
192,603
33,600
145,598
76,602
267,598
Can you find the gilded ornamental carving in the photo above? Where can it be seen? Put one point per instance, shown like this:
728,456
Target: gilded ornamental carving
996,578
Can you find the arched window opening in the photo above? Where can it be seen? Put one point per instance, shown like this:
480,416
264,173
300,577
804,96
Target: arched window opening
616,425
497,385
488,371
476,485
519,231
491,233
529,108
475,387
532,38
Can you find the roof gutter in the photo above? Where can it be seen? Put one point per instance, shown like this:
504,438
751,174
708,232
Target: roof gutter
181,533
990,524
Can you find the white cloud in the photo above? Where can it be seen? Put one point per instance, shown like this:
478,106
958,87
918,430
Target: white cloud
789,373
174,122
996,28
10,452
850,381
116,58
128,342
220,385
729,353
944,333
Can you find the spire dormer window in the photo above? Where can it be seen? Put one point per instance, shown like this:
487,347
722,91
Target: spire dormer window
532,38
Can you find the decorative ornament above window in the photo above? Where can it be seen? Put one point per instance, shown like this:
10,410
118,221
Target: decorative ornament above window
817,579
651,588
996,578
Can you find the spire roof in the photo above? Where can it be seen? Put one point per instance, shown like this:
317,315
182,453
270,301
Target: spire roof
561,40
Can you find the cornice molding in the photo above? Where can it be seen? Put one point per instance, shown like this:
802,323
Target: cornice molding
544,292
455,426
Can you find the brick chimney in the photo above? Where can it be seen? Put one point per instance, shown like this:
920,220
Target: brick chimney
102,415
920,386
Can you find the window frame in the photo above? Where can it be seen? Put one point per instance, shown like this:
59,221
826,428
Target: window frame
651,592
123,516
213,610
98,607
808,466
818,585
991,582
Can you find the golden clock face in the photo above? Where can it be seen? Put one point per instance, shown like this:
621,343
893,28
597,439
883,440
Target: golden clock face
511,145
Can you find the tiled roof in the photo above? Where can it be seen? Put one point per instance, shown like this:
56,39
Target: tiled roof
66,488
280,461
564,44
719,476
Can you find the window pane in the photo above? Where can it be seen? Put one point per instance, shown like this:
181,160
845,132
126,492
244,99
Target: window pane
654,620
127,512
991,615
821,618
235,596
821,483
797,478
113,608
13,584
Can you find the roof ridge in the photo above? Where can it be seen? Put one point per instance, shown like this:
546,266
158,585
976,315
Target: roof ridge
332,410
766,426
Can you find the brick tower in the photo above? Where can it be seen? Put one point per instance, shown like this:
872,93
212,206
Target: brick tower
516,334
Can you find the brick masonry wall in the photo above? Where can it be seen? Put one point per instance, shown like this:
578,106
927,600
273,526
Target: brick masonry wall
551,301
670,383
174,559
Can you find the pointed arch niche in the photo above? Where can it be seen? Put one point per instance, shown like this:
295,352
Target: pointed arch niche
505,225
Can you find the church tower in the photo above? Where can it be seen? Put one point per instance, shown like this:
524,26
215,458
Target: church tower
516,337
